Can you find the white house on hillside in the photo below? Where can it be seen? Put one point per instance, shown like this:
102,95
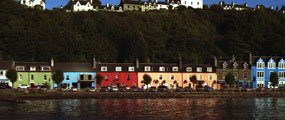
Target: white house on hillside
81,5
41,4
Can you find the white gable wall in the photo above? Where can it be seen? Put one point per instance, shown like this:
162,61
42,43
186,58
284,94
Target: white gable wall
32,4
79,7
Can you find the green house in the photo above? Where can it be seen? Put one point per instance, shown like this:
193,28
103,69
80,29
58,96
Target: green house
34,73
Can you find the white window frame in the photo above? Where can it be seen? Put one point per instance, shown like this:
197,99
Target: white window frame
104,68
260,65
271,65
45,77
1,72
67,77
131,69
20,77
199,69
118,69
161,68
147,68
175,69
260,74
33,68
209,69
210,77
281,65
188,69
32,77
172,77
45,67
18,68
281,74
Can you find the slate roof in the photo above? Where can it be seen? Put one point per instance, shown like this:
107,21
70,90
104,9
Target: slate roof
82,2
112,66
194,68
74,67
5,65
38,65
155,67
231,63
266,59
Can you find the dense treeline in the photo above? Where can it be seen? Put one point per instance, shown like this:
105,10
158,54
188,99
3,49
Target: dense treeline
158,36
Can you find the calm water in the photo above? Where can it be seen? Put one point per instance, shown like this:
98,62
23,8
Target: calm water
214,108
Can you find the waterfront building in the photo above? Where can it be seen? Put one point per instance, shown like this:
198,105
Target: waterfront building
34,73
233,6
81,5
240,69
4,67
117,74
263,66
76,74
40,4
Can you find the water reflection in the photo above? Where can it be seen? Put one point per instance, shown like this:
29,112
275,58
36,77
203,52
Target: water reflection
207,108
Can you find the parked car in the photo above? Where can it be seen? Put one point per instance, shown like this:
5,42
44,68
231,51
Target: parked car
134,89
114,89
23,86
104,89
180,89
153,89
33,87
91,89
162,89
208,89
74,89
188,89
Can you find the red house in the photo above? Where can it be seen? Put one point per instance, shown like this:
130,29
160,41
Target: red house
119,74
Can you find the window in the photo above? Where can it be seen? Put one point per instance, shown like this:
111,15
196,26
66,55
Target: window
235,74
209,69
33,68
118,68
20,68
45,68
129,78
117,77
1,73
131,69
89,77
172,77
128,6
175,69
260,74
200,77
67,77
161,68
260,65
81,77
191,3
260,85
123,84
244,75
197,3
45,77
225,65
199,69
210,77
189,77
134,84
185,2
188,69
32,77
235,65
281,74
106,77
281,65
21,77
271,65
147,68
160,77
103,68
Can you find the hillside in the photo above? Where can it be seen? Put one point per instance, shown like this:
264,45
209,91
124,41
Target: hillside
159,36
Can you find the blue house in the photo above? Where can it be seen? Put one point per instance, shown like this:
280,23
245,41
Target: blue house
263,66
79,75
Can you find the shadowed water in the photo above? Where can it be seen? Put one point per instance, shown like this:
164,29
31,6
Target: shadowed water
204,108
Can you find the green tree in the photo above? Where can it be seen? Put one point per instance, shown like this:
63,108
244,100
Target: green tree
99,79
274,79
194,80
146,79
58,77
230,79
12,76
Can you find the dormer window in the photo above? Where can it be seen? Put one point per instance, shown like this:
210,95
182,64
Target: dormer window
20,68
175,69
161,68
104,68
32,68
245,65
45,68
281,65
118,69
209,69
147,68
225,65
271,65
188,69
199,69
235,65
260,65
131,69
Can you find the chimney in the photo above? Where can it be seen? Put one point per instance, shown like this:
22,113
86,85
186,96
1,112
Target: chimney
156,1
245,4
94,62
233,58
52,62
250,58
233,4
137,63
167,1
215,61
221,2
13,63
180,62
91,1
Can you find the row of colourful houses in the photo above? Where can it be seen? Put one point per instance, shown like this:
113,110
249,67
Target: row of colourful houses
252,73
